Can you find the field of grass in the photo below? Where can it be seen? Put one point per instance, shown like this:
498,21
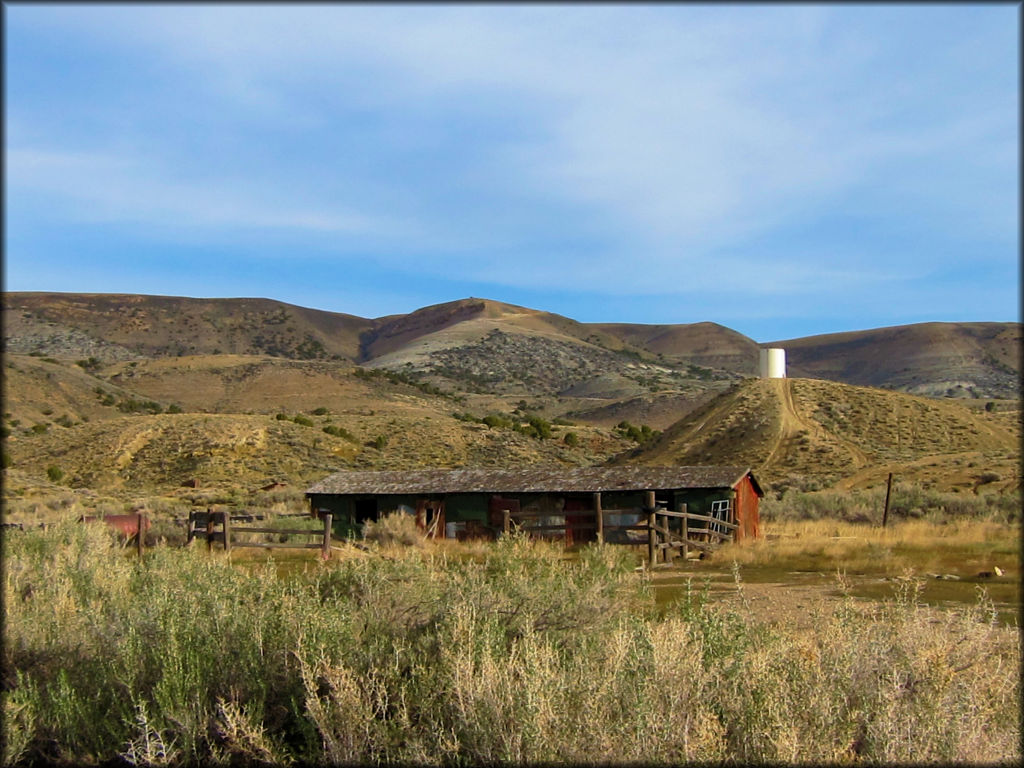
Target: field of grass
506,653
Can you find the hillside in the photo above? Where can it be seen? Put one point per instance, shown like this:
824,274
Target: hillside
819,433
243,421
122,327
707,344
132,394
489,346
937,359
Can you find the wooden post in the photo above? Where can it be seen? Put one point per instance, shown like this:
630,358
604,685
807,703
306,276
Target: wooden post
686,533
652,534
191,526
326,551
209,528
600,517
506,521
888,495
734,515
226,517
139,519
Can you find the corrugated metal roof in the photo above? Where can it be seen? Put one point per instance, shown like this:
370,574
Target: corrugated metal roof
529,480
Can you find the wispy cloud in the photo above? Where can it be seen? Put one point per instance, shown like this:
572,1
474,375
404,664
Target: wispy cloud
641,148
105,188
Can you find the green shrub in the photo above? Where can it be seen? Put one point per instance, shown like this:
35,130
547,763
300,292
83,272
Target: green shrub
54,473
517,656
174,408
321,411
303,421
336,431
495,421
281,417
639,434
131,405
571,439
539,428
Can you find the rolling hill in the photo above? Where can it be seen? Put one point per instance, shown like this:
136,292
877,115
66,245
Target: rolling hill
794,430
469,341
135,394
938,359
122,327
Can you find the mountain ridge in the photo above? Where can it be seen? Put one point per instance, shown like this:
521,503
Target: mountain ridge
970,360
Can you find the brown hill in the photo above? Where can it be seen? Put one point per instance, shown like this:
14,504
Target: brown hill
795,430
938,359
125,326
481,346
705,344
246,420
488,346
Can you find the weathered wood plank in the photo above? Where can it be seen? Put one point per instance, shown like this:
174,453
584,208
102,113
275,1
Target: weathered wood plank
709,519
707,547
652,532
325,546
668,513
286,531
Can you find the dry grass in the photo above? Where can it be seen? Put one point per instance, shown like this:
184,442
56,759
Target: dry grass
394,530
915,545
428,658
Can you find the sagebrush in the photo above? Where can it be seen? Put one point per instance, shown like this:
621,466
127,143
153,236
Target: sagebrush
517,656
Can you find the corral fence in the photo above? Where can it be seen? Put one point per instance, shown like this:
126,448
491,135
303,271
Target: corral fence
222,527
668,533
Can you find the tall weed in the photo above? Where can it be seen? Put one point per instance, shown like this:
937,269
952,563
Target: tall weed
426,658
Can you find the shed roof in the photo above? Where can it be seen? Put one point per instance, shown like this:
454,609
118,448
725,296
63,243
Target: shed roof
531,480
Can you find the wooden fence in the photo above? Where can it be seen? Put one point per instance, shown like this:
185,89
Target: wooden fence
205,524
667,531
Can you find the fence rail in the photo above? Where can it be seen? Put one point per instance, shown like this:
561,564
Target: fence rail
205,524
667,530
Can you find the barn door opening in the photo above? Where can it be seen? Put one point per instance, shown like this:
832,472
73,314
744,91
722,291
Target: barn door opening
366,509
430,517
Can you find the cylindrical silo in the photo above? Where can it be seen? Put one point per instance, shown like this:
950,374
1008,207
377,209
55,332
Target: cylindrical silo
773,363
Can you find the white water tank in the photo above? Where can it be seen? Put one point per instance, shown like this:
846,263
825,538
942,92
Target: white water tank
773,363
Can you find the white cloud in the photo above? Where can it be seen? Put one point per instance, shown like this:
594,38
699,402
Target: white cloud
686,136
115,187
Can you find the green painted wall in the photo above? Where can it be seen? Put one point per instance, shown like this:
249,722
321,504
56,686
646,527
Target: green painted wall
466,506
461,507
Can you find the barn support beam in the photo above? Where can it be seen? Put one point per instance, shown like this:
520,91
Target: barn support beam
652,534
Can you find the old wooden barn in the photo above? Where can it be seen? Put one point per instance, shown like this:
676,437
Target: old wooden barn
580,504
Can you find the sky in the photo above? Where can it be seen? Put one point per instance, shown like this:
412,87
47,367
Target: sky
783,170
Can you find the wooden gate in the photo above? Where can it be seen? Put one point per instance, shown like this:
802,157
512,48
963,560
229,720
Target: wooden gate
205,524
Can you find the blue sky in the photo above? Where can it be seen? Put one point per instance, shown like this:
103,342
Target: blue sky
784,170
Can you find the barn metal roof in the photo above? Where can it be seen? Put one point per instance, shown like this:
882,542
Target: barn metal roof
531,480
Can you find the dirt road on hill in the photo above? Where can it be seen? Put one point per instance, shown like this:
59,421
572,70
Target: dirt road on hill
792,422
